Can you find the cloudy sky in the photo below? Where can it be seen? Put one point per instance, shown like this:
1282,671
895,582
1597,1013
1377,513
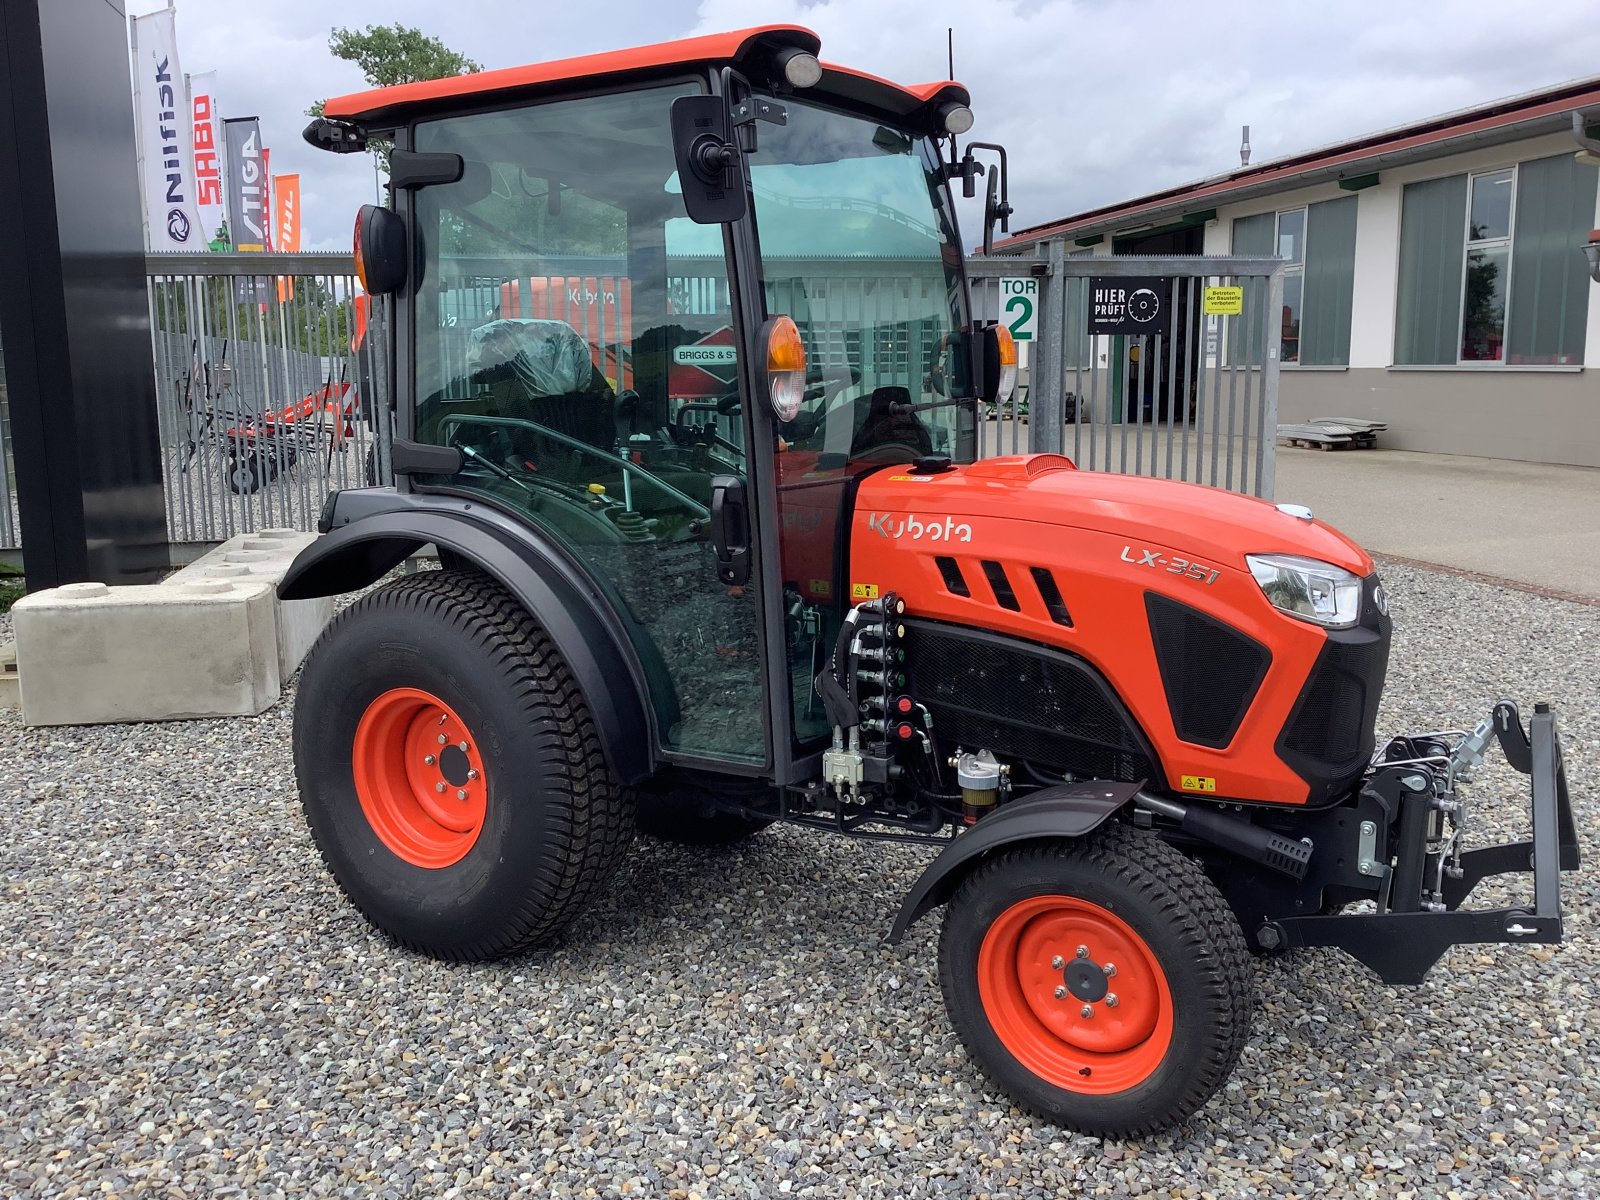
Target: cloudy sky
1096,100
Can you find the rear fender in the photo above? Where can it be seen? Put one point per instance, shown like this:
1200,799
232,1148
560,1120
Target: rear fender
1071,810
386,527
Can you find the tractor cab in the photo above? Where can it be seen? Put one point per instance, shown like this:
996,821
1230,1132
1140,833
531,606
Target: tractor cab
668,310
686,390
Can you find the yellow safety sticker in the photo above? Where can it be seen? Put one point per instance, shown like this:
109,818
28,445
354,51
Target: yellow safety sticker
1198,783
863,591
821,587
911,479
1223,301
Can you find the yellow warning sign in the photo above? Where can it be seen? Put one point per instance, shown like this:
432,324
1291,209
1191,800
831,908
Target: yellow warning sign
863,591
1223,301
1199,783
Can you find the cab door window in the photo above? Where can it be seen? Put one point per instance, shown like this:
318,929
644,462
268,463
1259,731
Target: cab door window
585,368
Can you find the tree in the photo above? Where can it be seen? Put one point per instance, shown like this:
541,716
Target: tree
392,54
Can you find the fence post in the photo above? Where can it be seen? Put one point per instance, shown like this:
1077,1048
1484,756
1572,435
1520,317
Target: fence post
1047,371
1267,445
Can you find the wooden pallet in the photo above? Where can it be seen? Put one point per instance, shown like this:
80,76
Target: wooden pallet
1333,433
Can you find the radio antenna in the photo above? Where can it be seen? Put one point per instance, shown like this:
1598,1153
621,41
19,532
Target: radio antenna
950,46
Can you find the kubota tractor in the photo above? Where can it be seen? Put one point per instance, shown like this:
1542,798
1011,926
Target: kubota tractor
686,394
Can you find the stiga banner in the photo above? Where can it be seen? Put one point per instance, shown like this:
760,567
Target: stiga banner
247,184
286,225
166,146
207,125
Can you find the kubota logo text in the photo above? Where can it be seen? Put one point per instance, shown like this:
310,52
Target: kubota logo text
891,526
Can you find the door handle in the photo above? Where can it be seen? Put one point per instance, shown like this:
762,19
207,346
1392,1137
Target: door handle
730,529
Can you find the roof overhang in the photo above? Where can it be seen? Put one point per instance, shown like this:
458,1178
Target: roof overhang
1350,161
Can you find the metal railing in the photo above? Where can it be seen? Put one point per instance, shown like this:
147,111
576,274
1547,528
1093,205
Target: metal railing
265,407
265,404
1196,398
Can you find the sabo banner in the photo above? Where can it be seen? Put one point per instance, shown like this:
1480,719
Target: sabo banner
166,148
207,122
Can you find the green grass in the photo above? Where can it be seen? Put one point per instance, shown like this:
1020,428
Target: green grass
12,587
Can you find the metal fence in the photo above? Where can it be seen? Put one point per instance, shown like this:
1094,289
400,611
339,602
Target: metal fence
265,403
1196,398
265,406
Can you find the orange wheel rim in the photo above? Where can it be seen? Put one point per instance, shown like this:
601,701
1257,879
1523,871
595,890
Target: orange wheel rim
1075,995
419,778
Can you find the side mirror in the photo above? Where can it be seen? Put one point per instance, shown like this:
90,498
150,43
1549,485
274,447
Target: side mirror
991,210
380,250
710,166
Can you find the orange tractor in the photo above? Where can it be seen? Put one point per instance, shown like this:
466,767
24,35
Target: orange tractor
687,395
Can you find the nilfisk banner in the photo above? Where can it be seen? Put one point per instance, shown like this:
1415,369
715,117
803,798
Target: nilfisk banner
207,126
166,148
247,184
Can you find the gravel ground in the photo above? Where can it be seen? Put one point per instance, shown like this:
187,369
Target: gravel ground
188,1007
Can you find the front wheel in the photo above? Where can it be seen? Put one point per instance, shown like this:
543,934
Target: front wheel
451,772
1103,984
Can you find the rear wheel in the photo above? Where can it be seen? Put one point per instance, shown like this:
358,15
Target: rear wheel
1102,984
450,770
244,474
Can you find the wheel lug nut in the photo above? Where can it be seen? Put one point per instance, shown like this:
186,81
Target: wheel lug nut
1058,962
1111,1000
1083,952
461,793
1109,969
443,739
438,787
428,760
461,746
472,772
1061,993
1086,1011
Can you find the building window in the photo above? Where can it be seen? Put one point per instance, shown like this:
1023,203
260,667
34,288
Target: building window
1318,246
1492,267
1483,295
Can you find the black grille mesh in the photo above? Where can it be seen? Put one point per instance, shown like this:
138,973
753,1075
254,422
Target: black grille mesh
1210,670
1333,721
1022,701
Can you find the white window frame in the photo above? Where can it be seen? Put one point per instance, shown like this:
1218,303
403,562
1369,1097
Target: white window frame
1295,268
1469,243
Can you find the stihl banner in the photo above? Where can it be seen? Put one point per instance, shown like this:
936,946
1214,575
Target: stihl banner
286,225
247,184
166,146
207,125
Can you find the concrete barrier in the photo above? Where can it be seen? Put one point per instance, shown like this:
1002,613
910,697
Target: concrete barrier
213,640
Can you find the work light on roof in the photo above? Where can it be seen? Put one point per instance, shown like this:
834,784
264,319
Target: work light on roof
800,69
957,118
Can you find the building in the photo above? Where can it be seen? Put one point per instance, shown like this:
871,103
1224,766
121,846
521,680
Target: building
1435,273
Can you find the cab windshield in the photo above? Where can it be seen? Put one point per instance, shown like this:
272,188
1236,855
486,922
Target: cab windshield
857,245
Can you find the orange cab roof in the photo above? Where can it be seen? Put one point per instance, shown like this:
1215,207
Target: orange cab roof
393,106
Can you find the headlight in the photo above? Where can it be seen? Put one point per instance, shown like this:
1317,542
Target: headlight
1308,589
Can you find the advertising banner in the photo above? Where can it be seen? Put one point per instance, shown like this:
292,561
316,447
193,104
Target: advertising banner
166,146
247,184
207,123
286,224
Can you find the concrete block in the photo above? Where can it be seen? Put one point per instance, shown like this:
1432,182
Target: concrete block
266,554
10,692
191,647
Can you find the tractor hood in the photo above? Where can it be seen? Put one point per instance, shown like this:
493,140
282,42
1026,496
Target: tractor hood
1195,521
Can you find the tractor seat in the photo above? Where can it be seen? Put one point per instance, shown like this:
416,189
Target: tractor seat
541,371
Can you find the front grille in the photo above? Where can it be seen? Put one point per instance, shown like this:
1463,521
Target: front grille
1329,738
1024,702
1210,670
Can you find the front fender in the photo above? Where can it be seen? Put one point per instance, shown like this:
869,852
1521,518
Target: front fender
577,618
1069,810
